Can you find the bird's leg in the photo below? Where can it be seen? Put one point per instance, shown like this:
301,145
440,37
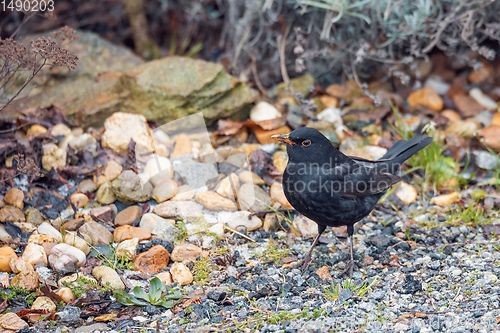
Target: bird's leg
307,258
350,266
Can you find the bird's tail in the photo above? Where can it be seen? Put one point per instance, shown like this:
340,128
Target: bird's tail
404,149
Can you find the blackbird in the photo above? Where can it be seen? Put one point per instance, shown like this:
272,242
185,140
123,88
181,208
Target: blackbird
333,189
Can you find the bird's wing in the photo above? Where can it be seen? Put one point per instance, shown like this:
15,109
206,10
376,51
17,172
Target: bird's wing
354,180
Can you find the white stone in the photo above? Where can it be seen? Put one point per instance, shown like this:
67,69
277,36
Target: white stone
305,226
482,99
66,257
53,157
375,151
164,191
60,130
217,229
151,221
72,239
83,142
437,84
240,221
121,127
46,229
158,164
264,111
331,115
35,255
127,248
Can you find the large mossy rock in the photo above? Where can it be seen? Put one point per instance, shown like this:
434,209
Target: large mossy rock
110,78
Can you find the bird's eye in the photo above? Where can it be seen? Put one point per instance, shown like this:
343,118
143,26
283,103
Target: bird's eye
306,143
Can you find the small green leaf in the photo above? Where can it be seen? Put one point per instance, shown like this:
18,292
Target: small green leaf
156,288
140,293
172,296
127,299
167,304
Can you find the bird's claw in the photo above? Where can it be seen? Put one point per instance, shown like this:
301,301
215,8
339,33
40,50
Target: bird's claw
349,269
304,263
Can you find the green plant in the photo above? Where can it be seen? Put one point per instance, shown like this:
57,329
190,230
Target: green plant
112,259
472,215
155,296
334,291
201,271
81,285
275,252
440,170
181,225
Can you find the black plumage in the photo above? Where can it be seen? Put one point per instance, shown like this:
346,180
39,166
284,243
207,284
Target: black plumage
333,189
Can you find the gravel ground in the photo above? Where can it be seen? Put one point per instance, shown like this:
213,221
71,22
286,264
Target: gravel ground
420,285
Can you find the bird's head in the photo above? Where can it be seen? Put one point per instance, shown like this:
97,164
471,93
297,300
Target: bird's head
307,144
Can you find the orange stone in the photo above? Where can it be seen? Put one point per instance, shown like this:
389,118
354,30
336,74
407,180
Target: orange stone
496,119
491,136
128,232
264,136
6,253
451,115
323,273
153,260
467,105
183,146
426,97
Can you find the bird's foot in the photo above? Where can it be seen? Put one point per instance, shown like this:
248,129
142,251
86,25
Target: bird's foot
350,267
304,263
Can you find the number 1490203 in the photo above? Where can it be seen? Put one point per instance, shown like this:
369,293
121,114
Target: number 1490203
27,5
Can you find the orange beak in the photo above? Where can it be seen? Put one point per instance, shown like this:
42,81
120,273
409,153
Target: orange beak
283,138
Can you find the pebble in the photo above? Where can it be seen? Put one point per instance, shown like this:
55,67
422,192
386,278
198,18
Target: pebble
4,235
265,136
185,251
96,232
66,257
280,160
15,197
127,249
467,106
229,186
183,146
121,127
217,229
239,221
164,191
108,276
490,136
87,186
179,210
60,130
427,97
151,221
35,255
271,222
445,199
166,230
43,303
110,173
46,229
466,128
33,216
53,157
252,197
153,260
129,189
264,111
305,226
6,253
128,216
27,279
105,194
66,294
331,115
486,160
72,239
80,200
158,168
11,322
181,274
277,195
11,214
165,277
484,100
252,178
214,201
184,193
406,193
125,232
